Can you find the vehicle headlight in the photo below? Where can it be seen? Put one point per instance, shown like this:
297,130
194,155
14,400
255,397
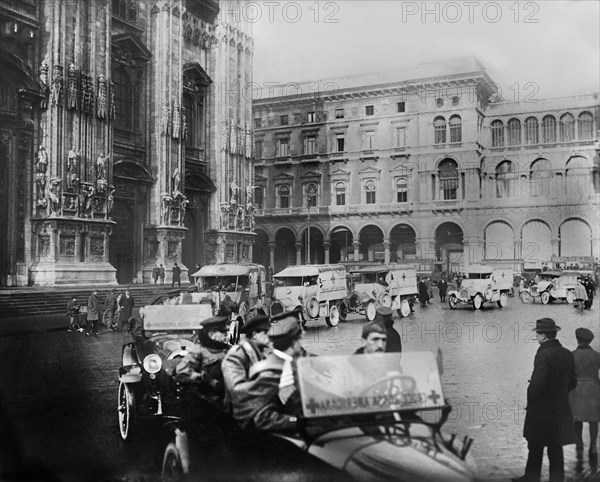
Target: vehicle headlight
152,363
300,298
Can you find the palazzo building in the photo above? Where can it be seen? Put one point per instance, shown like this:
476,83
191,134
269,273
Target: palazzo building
125,139
428,164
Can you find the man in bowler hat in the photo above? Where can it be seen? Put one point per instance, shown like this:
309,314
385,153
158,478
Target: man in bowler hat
548,421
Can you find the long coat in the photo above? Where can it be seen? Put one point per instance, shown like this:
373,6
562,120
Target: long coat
92,305
423,293
443,286
585,399
548,420
126,305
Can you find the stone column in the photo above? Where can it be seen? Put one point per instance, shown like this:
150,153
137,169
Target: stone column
298,253
356,245
555,245
386,249
518,246
272,254
326,246
425,248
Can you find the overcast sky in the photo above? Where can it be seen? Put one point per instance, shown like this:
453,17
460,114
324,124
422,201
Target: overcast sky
554,44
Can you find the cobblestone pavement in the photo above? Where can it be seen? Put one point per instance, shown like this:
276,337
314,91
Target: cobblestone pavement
59,388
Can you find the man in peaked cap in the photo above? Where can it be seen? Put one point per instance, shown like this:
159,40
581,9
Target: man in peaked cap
271,402
384,317
374,339
548,421
238,360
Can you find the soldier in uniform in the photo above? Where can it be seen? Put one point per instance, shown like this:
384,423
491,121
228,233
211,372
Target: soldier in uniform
384,317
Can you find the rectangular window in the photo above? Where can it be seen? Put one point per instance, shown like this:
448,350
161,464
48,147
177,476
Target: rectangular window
283,147
283,120
401,106
340,141
284,196
340,194
258,150
339,113
369,110
257,122
370,199
402,190
401,137
310,145
369,140
259,197
310,117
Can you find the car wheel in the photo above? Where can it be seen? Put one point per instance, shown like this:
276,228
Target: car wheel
452,301
526,297
570,297
334,316
370,311
404,309
343,311
312,308
126,410
106,319
172,470
545,297
477,302
503,301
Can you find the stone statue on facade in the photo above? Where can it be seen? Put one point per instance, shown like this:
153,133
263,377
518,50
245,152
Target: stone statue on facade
101,166
53,195
176,120
165,117
233,139
110,203
224,217
72,88
72,167
165,208
41,166
224,136
102,97
233,192
176,181
86,195
57,85
250,195
239,218
44,84
248,142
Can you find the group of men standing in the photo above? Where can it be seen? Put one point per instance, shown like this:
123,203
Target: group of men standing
118,309
159,273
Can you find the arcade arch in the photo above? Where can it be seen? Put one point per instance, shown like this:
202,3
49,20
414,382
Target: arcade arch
499,241
371,244
403,242
449,245
574,238
536,243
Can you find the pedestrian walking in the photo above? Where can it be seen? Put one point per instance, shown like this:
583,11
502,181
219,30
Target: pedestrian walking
443,287
92,314
155,273
126,304
161,274
585,399
384,317
110,305
423,294
548,421
429,284
581,296
590,288
176,275
73,315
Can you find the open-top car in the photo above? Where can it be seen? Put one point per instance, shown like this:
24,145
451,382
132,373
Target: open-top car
392,286
375,417
552,285
483,284
242,288
166,333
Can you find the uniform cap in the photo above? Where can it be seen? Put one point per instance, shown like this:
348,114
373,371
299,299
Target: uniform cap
372,327
218,323
283,334
258,323
384,311
584,335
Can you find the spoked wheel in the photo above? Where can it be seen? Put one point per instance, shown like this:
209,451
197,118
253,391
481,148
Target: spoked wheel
452,301
477,302
106,319
343,311
404,310
126,410
371,311
334,316
503,301
526,297
172,470
545,297
234,332
570,297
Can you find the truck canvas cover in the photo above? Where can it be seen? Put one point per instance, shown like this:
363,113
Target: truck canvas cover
175,317
297,271
225,270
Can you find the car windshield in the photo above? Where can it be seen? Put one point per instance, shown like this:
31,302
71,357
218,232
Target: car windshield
296,281
479,275
230,283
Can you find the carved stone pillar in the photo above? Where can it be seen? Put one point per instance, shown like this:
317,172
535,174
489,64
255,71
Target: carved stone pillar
326,246
386,251
356,246
298,253
272,254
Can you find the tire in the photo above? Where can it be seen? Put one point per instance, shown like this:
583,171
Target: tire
312,308
172,470
386,300
126,411
404,309
503,301
334,316
570,297
526,297
489,294
477,302
106,319
452,301
343,311
370,311
545,297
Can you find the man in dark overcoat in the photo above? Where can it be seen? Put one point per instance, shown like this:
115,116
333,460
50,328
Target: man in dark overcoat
423,293
93,306
443,287
176,275
384,317
126,304
548,421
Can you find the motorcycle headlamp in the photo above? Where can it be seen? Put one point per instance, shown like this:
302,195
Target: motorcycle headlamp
152,364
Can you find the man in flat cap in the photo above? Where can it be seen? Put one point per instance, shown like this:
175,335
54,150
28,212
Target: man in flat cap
384,317
585,399
271,402
548,421
374,339
236,364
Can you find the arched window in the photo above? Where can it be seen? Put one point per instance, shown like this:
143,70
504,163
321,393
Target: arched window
579,176
531,131
284,196
585,126
567,127
189,110
340,194
370,197
504,178
540,176
497,133
123,100
259,197
401,190
548,129
514,132
448,173
439,126
455,129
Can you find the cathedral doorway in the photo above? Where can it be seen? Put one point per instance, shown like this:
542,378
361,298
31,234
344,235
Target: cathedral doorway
122,242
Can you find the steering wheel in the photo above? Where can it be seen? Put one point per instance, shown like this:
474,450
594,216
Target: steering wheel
388,386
